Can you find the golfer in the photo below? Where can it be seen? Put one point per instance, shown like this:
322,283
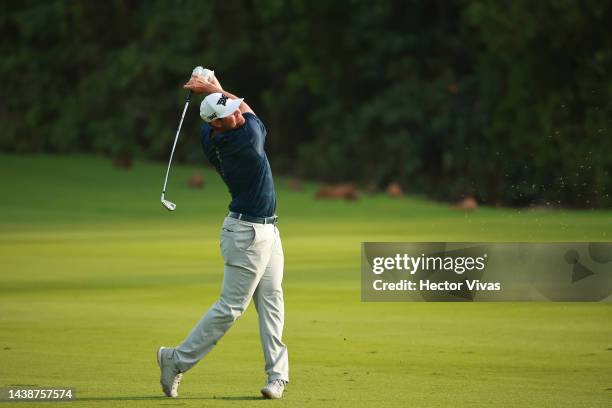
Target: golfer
233,141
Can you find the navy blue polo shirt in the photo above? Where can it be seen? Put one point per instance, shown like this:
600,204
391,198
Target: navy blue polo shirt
240,159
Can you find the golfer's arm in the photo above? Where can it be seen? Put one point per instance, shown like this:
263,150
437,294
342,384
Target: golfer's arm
200,85
244,108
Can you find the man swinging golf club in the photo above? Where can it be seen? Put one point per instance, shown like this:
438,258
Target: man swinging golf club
233,141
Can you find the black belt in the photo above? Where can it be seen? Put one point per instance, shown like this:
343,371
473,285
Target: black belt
258,220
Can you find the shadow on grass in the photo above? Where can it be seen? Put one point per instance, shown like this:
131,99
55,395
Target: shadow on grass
162,398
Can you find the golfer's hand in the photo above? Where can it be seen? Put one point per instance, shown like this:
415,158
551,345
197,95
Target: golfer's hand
213,80
199,84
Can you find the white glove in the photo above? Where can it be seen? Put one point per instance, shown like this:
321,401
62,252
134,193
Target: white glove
206,73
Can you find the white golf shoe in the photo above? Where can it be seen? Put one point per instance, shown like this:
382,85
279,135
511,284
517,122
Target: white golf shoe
274,389
170,375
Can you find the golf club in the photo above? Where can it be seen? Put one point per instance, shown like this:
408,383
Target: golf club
170,206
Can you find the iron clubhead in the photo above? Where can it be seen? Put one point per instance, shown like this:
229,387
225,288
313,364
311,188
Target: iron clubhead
170,206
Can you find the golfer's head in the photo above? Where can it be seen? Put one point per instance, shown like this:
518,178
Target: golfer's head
221,112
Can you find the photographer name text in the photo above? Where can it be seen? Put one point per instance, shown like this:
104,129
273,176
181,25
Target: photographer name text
427,285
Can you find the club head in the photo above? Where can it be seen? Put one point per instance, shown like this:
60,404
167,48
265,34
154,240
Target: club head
170,206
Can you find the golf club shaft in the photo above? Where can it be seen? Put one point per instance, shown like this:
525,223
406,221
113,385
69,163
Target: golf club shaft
178,131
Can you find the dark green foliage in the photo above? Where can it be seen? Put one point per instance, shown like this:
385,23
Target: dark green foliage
508,101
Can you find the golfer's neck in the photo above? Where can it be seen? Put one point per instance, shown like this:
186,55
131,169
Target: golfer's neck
217,131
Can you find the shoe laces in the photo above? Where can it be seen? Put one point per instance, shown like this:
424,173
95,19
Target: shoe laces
277,384
177,381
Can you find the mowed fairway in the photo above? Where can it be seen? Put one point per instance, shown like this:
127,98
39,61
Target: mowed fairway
95,275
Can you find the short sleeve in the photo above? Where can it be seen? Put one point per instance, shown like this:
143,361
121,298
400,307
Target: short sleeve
206,129
257,132
207,143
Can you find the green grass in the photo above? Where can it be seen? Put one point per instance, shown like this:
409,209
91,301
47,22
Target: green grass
96,275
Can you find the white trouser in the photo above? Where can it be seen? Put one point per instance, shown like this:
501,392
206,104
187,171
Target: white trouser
254,261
